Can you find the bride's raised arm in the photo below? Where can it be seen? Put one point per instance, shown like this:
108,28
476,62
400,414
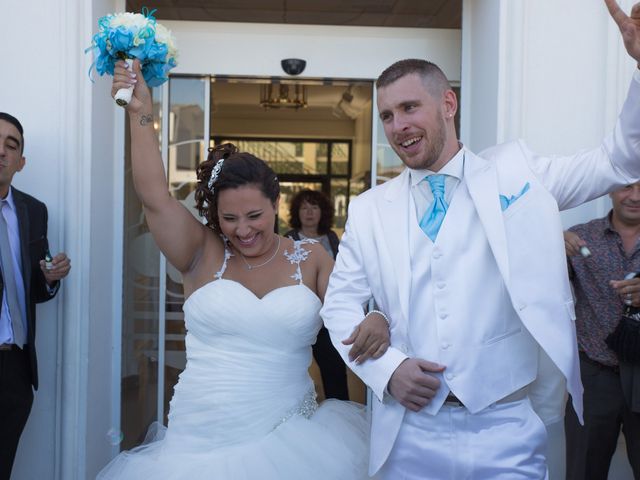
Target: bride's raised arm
178,234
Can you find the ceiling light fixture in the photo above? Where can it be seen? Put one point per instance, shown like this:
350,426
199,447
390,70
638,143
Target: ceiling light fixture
283,96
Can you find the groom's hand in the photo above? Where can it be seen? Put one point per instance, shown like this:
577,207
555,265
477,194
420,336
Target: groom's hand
629,27
412,385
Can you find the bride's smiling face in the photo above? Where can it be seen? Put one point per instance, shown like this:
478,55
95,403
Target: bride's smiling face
247,219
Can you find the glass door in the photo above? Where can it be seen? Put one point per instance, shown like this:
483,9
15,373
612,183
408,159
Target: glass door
153,349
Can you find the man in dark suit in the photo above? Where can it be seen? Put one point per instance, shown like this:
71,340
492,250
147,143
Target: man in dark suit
25,279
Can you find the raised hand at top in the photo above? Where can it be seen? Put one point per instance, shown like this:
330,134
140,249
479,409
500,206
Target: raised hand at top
629,27
124,77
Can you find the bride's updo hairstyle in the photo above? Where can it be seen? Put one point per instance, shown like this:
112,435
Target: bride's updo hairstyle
226,168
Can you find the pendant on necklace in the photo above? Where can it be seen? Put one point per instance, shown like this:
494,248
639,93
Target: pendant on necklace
251,267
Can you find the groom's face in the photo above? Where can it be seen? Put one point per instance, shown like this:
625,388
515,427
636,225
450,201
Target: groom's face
414,122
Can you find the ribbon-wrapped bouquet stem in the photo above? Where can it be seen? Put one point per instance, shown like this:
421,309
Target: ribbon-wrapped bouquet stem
128,36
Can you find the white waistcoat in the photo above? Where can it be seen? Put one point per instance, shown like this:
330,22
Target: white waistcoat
484,345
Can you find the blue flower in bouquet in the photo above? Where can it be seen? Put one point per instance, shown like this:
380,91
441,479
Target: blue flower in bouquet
134,35
120,40
156,72
156,52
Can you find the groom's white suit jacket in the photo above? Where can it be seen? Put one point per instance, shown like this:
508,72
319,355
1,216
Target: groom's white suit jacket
527,244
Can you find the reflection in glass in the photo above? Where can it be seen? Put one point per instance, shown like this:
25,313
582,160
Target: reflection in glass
142,298
340,199
140,311
389,164
186,126
302,158
340,158
186,152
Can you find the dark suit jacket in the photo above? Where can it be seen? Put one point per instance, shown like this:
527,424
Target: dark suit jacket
32,222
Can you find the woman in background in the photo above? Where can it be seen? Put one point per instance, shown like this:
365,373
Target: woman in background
311,217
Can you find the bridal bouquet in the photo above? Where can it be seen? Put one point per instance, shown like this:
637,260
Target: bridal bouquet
127,36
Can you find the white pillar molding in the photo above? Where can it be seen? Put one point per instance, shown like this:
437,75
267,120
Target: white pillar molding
512,54
479,73
619,68
75,153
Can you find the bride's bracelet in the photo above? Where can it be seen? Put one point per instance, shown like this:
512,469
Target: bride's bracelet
386,319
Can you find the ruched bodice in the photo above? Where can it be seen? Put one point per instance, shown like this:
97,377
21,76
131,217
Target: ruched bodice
286,318
243,351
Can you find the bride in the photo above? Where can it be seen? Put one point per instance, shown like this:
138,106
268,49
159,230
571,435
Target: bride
244,407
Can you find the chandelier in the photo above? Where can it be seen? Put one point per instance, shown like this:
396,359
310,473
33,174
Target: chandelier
283,96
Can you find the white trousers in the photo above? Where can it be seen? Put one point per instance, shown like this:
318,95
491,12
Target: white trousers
505,441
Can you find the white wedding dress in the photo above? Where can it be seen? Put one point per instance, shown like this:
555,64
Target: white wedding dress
244,407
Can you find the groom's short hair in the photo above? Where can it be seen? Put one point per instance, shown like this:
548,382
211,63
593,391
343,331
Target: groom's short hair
433,77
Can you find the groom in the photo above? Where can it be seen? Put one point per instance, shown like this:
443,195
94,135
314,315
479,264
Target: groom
483,342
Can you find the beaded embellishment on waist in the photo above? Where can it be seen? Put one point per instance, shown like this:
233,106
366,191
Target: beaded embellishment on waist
306,408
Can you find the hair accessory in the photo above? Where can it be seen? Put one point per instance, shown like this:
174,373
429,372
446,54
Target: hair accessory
214,174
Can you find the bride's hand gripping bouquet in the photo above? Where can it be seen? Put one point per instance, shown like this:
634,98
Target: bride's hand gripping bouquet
128,36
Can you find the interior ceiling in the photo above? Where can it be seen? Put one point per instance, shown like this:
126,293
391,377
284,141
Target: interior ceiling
325,102
377,13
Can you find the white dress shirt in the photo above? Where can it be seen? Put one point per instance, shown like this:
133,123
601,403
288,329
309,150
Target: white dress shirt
6,330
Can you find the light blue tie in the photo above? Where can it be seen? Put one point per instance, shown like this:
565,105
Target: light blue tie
434,216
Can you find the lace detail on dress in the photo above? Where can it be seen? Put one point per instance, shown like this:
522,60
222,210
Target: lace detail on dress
306,408
227,256
299,255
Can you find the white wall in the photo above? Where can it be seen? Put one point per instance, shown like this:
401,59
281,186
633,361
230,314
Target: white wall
69,147
332,52
23,94
531,71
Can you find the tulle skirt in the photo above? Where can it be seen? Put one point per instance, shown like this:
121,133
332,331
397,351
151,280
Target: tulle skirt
330,445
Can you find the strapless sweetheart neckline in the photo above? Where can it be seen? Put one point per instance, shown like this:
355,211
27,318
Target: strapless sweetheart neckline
251,292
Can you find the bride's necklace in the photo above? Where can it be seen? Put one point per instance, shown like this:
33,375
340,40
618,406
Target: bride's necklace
251,267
